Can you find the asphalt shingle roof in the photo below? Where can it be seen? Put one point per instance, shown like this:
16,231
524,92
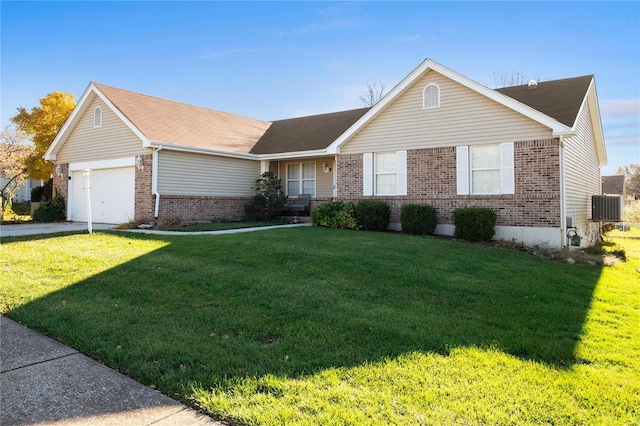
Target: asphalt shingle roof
560,99
168,121
306,133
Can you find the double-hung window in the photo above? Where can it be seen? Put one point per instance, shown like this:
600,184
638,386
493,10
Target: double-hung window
385,173
301,179
485,169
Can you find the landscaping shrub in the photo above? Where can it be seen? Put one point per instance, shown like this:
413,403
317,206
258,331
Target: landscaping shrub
418,219
336,214
23,209
50,211
474,223
269,199
37,193
170,221
373,215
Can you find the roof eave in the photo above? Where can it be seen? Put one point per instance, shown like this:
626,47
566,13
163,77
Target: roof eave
61,136
76,114
200,150
293,154
596,120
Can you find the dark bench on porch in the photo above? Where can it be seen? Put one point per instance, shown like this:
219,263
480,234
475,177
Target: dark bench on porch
300,205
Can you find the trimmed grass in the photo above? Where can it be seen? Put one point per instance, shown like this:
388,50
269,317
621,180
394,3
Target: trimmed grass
323,326
221,226
632,232
18,213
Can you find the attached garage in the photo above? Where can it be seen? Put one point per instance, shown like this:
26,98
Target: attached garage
112,195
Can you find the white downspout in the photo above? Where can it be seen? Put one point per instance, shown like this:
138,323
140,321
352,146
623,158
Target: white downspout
335,177
563,197
154,182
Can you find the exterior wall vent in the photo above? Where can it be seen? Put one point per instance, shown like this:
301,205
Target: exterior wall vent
606,208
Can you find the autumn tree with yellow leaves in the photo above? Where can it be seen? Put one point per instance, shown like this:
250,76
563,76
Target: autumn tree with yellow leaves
42,124
14,152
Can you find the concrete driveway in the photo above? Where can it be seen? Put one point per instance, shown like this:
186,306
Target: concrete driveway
48,228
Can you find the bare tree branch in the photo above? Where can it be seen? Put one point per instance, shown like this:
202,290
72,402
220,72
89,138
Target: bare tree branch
372,94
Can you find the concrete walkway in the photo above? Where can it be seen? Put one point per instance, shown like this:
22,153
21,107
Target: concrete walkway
55,227
45,382
224,231
48,228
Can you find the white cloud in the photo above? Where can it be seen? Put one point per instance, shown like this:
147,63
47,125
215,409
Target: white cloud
616,109
630,141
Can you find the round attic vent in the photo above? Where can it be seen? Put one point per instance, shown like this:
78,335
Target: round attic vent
532,84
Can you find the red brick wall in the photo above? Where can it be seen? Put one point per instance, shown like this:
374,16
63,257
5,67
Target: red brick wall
144,198
61,183
197,208
431,179
349,176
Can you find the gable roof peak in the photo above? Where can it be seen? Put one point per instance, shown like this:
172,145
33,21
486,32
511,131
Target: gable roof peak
170,122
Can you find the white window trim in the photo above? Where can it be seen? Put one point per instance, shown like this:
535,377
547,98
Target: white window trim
464,170
369,174
301,180
424,96
97,113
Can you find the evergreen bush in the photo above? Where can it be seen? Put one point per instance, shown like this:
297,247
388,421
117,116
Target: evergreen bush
336,214
418,219
51,211
474,223
269,199
373,215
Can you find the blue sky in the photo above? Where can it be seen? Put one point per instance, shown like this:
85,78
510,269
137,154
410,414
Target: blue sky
273,60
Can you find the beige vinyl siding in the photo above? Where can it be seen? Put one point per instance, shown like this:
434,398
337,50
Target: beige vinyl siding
324,181
183,173
114,139
582,169
464,117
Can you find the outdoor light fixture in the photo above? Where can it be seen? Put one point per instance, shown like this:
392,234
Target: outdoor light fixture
59,170
87,173
326,168
139,163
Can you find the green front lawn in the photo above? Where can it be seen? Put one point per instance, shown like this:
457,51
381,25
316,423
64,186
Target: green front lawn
321,326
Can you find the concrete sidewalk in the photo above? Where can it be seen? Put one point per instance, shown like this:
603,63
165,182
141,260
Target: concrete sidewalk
45,382
48,228
55,227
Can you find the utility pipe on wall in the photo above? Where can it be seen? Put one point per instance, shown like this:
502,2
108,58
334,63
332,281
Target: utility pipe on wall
563,197
87,174
154,182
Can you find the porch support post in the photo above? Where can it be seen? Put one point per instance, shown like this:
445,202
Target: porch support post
264,166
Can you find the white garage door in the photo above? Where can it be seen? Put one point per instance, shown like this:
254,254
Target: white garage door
112,195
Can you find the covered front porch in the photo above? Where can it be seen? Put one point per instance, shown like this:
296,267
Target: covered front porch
315,176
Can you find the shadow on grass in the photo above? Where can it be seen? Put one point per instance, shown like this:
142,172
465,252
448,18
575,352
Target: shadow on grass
213,309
